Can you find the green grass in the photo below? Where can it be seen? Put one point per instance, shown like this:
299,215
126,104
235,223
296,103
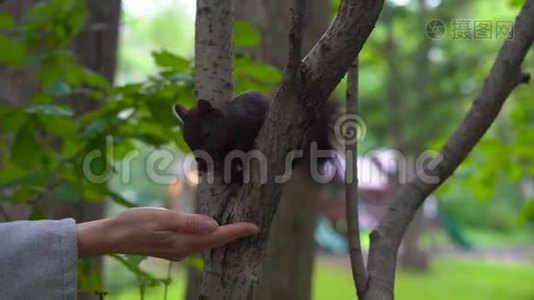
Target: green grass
489,238
523,237
469,280
447,279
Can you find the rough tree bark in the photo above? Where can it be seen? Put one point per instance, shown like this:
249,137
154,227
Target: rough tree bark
288,267
232,271
213,82
505,75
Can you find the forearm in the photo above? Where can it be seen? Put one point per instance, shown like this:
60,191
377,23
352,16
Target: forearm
96,238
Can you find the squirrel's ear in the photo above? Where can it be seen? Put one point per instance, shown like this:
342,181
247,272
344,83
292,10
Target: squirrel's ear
180,112
207,110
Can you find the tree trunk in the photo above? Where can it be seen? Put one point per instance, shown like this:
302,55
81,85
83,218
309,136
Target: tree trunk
288,267
287,270
233,271
412,256
214,83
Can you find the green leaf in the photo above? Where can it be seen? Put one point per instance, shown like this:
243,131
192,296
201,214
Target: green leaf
12,118
89,279
123,148
168,60
37,213
152,133
60,126
94,129
527,214
6,21
517,3
251,75
22,195
135,260
77,16
12,53
71,147
46,109
11,173
24,151
118,199
128,89
196,262
245,34
162,112
68,191
95,192
40,99
132,262
14,176
93,79
57,88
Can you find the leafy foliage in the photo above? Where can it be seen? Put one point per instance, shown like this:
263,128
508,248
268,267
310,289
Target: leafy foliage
53,150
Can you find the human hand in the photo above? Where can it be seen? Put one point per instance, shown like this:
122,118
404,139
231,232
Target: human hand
157,232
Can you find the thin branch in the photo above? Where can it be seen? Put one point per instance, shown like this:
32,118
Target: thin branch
505,75
295,37
4,213
359,274
167,281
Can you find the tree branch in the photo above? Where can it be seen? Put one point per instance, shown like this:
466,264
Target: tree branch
4,213
505,75
295,37
359,273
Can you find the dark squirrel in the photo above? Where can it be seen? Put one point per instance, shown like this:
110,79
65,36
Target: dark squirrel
218,132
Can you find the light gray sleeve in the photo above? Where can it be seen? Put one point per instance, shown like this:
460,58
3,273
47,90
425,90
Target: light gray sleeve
38,260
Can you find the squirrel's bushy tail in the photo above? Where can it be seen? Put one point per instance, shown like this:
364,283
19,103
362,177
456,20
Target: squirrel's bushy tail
321,133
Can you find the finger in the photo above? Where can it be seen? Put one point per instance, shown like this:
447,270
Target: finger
223,235
190,223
